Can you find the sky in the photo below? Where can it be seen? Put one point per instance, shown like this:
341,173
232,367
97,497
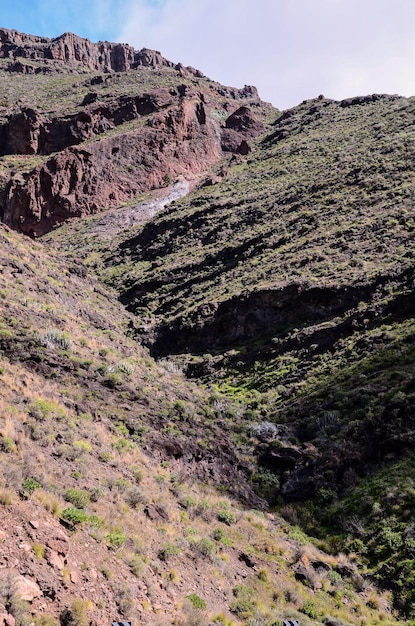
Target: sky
291,50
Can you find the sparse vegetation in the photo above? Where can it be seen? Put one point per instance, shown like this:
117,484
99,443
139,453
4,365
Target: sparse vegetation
285,291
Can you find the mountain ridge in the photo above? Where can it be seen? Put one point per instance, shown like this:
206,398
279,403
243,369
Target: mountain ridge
75,51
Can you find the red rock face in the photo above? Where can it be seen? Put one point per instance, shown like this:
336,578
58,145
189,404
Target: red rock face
79,181
240,126
27,132
177,132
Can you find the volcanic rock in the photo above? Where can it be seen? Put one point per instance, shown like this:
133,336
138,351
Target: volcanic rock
74,51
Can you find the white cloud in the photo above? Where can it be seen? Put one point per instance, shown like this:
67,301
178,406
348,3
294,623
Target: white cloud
289,49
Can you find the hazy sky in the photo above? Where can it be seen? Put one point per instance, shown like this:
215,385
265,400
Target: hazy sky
289,49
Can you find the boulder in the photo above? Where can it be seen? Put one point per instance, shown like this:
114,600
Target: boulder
58,543
26,588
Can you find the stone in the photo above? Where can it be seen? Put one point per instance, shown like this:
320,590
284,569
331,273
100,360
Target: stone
59,544
75,577
34,524
244,121
26,588
55,560
25,546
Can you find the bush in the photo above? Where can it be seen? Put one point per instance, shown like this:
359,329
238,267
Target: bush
135,496
263,575
39,550
309,609
78,497
124,599
7,444
197,602
243,591
123,445
41,409
205,546
170,549
74,516
55,339
138,474
30,485
218,534
267,485
45,620
243,608
6,496
81,446
136,565
78,613
116,539
226,516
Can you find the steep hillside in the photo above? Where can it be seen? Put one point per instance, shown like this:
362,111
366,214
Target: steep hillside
252,347
294,276
289,284
109,464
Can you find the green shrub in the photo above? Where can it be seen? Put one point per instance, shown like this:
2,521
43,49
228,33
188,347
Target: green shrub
226,516
81,446
116,539
263,575
113,380
78,613
74,516
45,620
267,485
187,502
123,445
218,534
94,521
39,550
41,409
6,496
197,601
53,338
30,485
7,444
136,565
124,599
243,591
138,474
170,549
205,546
135,496
243,608
309,609
77,497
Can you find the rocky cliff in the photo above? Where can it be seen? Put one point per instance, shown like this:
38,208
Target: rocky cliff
81,180
73,51
136,126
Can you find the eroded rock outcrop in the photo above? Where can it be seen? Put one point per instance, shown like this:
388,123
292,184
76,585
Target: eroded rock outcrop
81,180
240,126
29,132
74,51
175,129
